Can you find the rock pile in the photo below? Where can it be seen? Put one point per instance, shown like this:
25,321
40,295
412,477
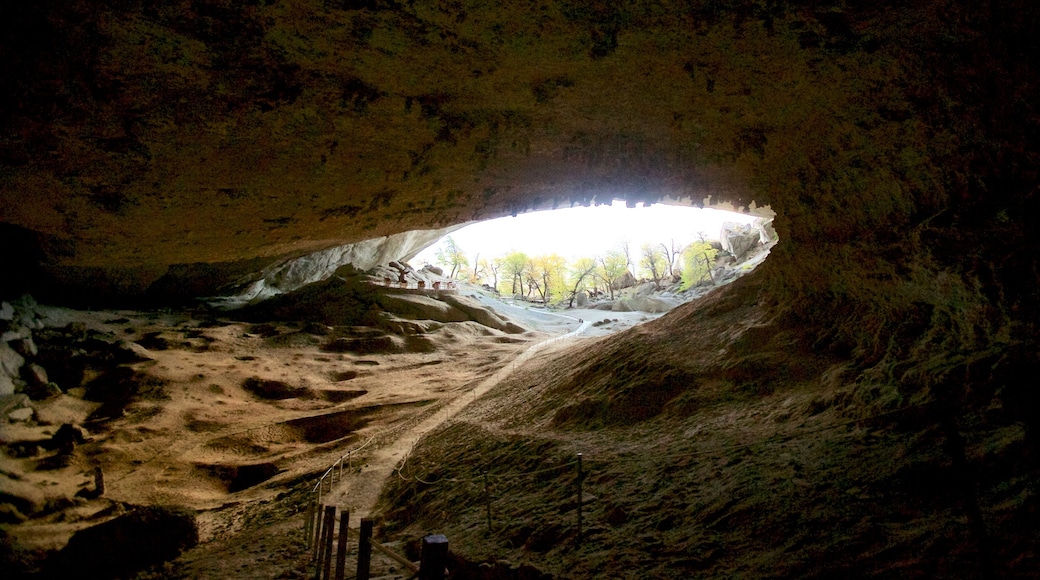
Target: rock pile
20,372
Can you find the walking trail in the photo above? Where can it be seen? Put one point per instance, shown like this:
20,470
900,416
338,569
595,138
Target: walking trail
359,489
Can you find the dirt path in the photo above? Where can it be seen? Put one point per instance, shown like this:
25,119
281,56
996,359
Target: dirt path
360,487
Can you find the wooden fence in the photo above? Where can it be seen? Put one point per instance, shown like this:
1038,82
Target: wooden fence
327,537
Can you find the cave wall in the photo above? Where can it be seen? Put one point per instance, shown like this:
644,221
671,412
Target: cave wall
149,145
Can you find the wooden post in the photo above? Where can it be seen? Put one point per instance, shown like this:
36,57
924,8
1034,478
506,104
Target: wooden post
581,476
99,481
326,532
487,502
434,558
364,554
341,545
326,549
308,524
317,533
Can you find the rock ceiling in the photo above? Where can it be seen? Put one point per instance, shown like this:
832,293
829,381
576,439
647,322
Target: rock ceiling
149,145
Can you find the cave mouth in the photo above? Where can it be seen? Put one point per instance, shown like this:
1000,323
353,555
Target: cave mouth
542,256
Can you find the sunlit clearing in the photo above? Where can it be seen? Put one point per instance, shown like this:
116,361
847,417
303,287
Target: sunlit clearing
581,232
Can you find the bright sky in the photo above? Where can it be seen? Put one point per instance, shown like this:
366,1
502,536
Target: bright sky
586,231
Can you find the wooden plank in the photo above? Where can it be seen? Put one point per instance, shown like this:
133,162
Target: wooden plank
434,557
341,546
330,523
412,567
364,556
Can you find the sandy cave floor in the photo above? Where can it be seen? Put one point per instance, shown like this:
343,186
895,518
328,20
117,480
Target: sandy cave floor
187,443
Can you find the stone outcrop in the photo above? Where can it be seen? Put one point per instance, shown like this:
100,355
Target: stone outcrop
738,239
18,319
292,274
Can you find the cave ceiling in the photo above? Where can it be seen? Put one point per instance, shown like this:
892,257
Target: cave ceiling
141,136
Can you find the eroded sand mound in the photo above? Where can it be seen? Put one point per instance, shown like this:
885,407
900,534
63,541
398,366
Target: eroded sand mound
208,411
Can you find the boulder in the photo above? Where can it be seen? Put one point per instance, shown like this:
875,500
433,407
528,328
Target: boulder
6,311
16,332
25,347
68,435
581,299
625,281
20,415
127,544
10,368
27,312
737,239
35,375
130,352
10,403
7,386
42,392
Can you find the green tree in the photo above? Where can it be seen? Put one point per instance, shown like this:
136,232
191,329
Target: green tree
451,255
698,261
514,264
653,262
582,273
548,273
612,267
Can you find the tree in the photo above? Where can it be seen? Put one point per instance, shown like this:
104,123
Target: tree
582,272
672,251
450,254
491,267
612,267
478,270
653,262
698,261
547,275
623,244
514,264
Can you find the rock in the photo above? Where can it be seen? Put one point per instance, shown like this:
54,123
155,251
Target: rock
7,386
127,544
131,352
10,369
9,403
10,361
737,239
35,375
76,330
68,434
25,347
6,311
27,312
17,332
625,281
581,299
433,269
43,392
20,415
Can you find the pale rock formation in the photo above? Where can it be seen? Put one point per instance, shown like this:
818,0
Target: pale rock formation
292,274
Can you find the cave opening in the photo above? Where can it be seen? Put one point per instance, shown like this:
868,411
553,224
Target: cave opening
606,251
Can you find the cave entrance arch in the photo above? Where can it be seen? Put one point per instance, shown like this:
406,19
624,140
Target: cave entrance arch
605,255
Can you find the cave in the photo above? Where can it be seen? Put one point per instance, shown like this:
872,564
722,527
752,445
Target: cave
858,405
